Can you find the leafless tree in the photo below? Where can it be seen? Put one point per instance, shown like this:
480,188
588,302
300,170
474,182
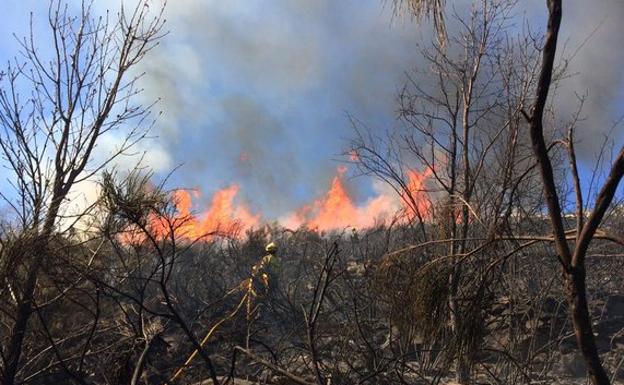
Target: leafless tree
572,258
462,122
473,119
54,110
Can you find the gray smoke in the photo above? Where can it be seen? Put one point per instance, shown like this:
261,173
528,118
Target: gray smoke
256,93
592,32
271,82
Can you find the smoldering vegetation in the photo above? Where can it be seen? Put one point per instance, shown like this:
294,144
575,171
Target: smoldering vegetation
343,307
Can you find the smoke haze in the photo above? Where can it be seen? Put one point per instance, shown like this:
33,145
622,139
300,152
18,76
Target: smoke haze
256,92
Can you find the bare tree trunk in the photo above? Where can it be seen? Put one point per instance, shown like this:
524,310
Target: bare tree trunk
573,264
73,94
138,369
14,352
577,299
25,306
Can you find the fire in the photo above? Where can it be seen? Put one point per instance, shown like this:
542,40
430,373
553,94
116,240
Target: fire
416,200
223,216
335,210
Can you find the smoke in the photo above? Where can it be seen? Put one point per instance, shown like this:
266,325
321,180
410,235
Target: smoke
264,161
255,92
592,33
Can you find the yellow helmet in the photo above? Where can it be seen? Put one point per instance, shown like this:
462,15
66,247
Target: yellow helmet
271,248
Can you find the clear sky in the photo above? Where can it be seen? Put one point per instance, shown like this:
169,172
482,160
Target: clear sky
257,92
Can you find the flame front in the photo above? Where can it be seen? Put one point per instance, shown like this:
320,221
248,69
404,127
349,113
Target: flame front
223,217
416,199
334,211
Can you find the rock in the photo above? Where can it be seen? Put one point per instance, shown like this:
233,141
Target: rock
615,306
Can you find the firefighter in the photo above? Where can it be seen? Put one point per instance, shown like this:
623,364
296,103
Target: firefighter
270,264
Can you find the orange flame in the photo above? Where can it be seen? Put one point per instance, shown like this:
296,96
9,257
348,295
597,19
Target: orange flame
334,211
416,200
223,216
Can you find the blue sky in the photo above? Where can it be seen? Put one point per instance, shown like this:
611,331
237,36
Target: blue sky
275,80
